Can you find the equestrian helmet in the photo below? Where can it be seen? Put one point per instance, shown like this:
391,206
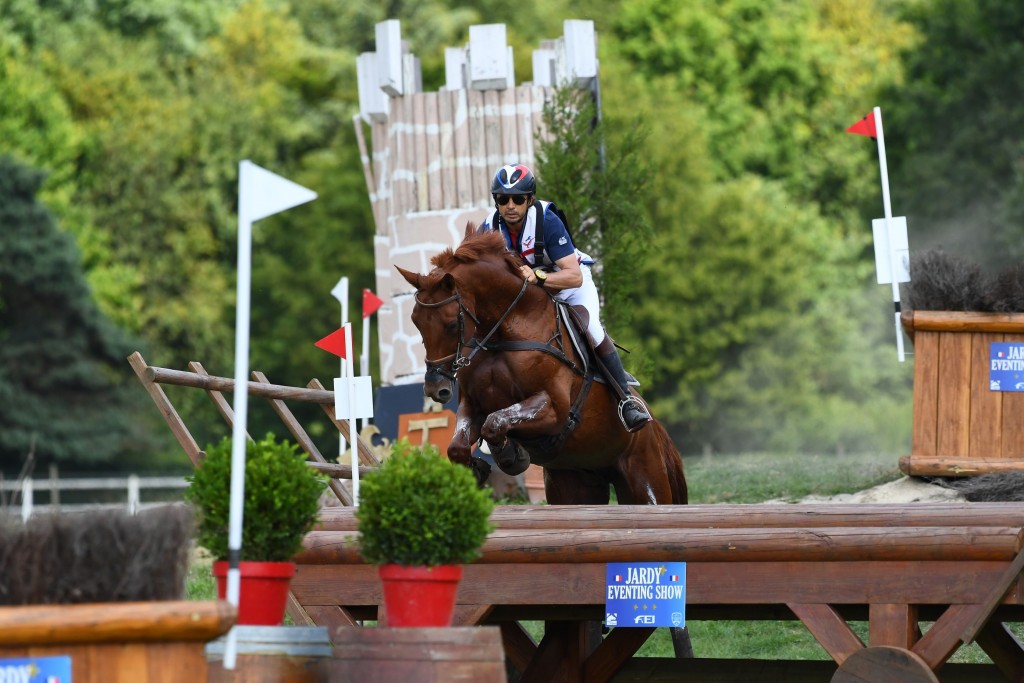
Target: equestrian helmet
514,179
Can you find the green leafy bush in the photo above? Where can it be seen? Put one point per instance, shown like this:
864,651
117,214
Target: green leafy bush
282,499
420,510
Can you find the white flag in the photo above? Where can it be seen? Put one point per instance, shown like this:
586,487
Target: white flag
262,193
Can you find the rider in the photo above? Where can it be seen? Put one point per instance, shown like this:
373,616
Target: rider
562,268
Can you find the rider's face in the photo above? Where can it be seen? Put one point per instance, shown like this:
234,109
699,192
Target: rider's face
514,213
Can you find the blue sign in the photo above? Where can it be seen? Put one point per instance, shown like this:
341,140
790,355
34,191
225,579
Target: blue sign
36,670
645,594
1006,366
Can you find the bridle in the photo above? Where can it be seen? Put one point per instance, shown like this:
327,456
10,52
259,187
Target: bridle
456,361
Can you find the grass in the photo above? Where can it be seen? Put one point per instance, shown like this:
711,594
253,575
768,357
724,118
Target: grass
746,478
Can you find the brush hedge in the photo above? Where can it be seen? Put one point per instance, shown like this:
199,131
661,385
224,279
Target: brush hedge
420,510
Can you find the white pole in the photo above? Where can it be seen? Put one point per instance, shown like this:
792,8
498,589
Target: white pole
133,494
888,229
364,358
241,408
26,499
351,415
340,292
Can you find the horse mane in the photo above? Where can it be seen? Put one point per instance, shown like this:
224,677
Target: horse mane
488,245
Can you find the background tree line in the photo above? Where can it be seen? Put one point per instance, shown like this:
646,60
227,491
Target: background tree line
743,281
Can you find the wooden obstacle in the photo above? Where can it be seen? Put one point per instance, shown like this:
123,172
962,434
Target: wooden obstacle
956,564
149,642
961,426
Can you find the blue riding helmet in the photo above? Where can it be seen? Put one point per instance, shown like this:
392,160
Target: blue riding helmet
514,179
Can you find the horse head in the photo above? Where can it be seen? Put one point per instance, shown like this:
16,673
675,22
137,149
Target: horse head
446,314
440,318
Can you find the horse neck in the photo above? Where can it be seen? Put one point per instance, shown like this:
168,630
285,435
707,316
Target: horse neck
494,295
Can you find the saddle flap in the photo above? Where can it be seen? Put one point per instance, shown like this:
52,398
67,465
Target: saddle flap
577,322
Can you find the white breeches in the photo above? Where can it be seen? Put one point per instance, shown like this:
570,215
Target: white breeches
586,295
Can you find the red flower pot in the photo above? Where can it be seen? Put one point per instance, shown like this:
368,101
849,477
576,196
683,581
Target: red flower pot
264,590
419,596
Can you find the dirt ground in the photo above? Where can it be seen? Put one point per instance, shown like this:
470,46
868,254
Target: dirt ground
1007,487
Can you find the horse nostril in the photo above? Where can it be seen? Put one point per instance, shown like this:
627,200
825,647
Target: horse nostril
444,394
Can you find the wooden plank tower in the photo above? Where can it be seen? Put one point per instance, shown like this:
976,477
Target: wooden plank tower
431,155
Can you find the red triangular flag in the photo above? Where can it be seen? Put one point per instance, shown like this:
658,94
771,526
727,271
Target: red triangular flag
334,342
866,126
371,302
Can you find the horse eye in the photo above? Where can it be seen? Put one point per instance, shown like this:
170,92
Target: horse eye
451,328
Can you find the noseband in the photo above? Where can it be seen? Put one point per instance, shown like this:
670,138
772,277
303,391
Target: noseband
456,361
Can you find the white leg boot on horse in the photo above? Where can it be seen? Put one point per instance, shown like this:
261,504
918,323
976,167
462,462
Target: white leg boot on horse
632,411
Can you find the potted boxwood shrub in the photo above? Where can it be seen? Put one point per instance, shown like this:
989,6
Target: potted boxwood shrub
282,500
420,519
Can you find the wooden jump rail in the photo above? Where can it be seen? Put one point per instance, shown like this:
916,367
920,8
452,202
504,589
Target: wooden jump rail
153,377
956,564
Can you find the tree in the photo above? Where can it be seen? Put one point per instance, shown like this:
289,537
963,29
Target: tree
953,129
65,389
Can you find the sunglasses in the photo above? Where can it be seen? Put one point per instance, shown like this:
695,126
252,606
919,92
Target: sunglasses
502,199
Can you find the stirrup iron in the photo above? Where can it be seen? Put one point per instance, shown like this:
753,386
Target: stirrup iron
633,400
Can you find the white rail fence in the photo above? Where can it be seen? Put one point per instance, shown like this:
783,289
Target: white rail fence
132,485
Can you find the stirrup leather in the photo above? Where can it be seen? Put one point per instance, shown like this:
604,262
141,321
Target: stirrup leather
632,400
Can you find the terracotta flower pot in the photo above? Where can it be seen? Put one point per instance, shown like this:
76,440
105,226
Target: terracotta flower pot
264,590
420,596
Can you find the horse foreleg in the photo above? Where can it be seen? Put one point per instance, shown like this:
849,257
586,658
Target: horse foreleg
533,416
460,449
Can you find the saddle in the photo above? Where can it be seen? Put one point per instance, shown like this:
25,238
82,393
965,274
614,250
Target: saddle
577,322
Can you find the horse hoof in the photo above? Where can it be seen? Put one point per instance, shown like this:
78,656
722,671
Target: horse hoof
511,459
481,469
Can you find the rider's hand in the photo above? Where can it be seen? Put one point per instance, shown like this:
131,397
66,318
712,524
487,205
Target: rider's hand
528,274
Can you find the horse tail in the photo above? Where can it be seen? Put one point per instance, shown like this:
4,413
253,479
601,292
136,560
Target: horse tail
673,464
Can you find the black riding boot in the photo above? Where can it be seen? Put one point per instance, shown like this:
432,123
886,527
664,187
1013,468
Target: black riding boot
632,410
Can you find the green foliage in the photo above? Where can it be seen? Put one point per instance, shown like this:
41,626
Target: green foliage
598,180
953,129
419,509
282,499
67,392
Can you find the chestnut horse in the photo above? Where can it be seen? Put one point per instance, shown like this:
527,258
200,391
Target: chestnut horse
520,380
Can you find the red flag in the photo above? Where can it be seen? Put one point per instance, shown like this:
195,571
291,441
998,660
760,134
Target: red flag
866,126
334,342
371,302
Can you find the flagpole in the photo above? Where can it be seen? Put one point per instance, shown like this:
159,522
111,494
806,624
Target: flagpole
880,138
340,292
260,194
351,415
241,408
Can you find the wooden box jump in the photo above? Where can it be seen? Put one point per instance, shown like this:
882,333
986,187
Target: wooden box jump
961,426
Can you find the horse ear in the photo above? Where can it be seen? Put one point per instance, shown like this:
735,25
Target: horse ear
410,277
448,282
471,229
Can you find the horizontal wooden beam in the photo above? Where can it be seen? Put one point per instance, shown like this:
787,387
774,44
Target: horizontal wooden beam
181,620
712,545
214,383
961,321
715,590
957,465
762,515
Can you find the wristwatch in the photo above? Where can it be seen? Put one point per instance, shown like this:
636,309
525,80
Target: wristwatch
542,276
